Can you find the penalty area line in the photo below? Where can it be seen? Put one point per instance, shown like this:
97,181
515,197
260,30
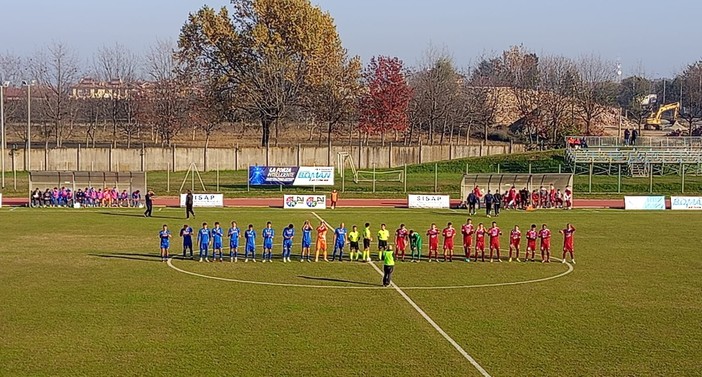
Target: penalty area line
429,319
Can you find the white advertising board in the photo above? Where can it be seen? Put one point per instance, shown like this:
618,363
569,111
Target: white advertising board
204,200
428,201
304,202
644,202
686,202
314,176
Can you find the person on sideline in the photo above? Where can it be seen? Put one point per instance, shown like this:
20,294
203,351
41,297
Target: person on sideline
388,265
334,198
149,203
189,205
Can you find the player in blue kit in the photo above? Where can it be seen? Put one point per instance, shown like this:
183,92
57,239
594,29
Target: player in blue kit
306,241
165,236
250,236
339,242
234,233
268,233
187,234
203,239
217,235
288,234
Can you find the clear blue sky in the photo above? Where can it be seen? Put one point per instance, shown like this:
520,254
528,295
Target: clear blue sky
656,37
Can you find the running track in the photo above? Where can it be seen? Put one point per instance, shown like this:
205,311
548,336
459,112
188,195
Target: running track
172,201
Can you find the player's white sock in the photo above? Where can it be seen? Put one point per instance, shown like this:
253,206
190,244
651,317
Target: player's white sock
573,260
563,261
200,259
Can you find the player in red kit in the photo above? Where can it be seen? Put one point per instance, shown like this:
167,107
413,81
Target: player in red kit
467,231
494,232
401,235
545,235
480,242
568,242
531,236
433,235
449,232
515,238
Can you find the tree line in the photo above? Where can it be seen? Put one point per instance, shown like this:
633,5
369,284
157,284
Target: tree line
272,63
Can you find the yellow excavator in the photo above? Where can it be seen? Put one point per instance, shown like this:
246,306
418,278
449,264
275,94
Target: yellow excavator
654,120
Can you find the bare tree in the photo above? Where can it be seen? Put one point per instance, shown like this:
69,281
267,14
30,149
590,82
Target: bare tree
116,67
691,101
163,99
557,79
595,89
56,70
436,88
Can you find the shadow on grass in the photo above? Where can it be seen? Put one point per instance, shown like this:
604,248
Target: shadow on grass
140,214
136,257
336,280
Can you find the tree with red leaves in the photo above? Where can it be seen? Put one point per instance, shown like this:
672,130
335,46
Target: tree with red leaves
384,105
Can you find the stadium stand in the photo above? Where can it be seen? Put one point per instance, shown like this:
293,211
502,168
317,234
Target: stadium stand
606,155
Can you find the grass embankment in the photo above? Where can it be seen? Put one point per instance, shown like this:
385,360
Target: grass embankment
420,179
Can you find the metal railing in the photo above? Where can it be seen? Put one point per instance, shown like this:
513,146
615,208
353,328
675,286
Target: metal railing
641,141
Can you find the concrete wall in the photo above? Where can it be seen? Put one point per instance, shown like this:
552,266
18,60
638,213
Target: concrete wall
179,159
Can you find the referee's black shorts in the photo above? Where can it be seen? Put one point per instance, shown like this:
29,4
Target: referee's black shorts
366,243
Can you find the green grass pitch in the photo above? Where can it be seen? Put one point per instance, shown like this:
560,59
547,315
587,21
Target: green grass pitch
83,293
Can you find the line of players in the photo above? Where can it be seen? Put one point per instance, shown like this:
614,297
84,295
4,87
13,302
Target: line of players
471,235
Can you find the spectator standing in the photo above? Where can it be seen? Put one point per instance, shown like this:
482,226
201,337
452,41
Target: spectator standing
498,202
334,198
149,203
634,136
626,136
472,201
189,205
489,198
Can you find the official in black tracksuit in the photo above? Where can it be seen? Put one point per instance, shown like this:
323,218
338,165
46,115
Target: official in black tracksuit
189,205
149,203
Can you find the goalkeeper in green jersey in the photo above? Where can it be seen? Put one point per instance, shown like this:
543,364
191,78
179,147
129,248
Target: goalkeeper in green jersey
415,245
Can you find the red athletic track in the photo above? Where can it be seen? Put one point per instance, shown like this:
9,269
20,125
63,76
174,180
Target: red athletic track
278,202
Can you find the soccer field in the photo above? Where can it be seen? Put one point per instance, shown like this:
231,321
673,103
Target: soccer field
84,293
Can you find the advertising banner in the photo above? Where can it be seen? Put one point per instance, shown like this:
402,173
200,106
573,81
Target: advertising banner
428,201
686,202
204,200
291,175
644,202
304,202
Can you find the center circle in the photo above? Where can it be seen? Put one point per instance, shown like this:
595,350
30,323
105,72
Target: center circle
294,285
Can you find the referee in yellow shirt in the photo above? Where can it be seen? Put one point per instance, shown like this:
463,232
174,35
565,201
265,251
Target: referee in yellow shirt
353,238
367,238
383,237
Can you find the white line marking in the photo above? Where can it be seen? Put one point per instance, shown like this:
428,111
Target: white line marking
265,282
431,321
486,285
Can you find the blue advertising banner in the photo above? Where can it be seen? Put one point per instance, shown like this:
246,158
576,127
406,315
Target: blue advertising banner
291,175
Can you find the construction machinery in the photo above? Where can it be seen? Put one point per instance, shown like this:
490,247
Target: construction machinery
654,120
